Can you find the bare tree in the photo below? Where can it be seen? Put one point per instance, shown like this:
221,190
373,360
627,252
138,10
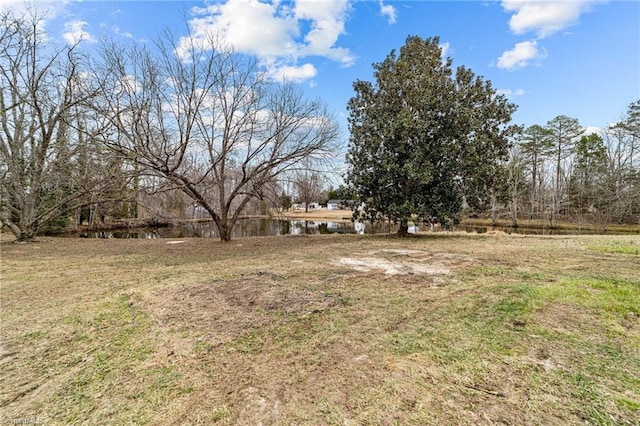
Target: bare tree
516,181
535,145
42,92
206,120
308,184
622,197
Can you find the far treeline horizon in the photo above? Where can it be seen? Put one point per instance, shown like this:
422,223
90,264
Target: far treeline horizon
132,131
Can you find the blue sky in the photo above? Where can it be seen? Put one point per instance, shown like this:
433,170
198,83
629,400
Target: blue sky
579,58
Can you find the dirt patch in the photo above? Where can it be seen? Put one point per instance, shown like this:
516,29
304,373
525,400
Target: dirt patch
246,326
6,352
227,309
366,264
567,319
403,262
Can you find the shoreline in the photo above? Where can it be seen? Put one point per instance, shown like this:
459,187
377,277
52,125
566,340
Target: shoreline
345,216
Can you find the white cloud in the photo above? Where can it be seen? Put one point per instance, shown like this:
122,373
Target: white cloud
510,93
589,130
521,55
42,10
74,32
48,10
278,33
10,4
45,9
249,26
327,19
545,17
293,73
116,29
388,11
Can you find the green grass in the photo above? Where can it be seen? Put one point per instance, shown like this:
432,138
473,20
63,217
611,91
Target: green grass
118,333
618,247
606,296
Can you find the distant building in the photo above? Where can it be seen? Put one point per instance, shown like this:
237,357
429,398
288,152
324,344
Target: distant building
303,206
339,204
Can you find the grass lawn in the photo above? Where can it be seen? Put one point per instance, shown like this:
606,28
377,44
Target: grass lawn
322,330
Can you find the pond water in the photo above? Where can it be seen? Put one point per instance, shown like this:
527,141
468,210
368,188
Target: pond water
243,228
271,227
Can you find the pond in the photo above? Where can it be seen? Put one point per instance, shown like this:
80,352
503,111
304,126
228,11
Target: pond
243,228
271,227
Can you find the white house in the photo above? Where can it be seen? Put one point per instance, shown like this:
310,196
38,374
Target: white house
333,205
340,204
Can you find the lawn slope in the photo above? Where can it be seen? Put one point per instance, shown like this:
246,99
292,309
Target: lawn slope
322,330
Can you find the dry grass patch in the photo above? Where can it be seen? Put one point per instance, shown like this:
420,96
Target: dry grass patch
225,310
442,329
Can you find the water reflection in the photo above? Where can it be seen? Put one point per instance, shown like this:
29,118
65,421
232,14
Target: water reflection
272,227
528,231
243,228
308,227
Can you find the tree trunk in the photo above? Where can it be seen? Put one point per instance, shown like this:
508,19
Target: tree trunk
534,181
514,213
554,210
15,230
556,198
27,228
24,232
403,229
494,208
225,232
28,235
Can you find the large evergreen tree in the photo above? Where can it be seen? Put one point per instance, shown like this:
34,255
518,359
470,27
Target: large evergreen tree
424,140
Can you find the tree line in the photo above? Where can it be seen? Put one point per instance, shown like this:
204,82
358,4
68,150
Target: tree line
560,172
190,128
429,143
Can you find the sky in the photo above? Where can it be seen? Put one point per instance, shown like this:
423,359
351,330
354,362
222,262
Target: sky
579,58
